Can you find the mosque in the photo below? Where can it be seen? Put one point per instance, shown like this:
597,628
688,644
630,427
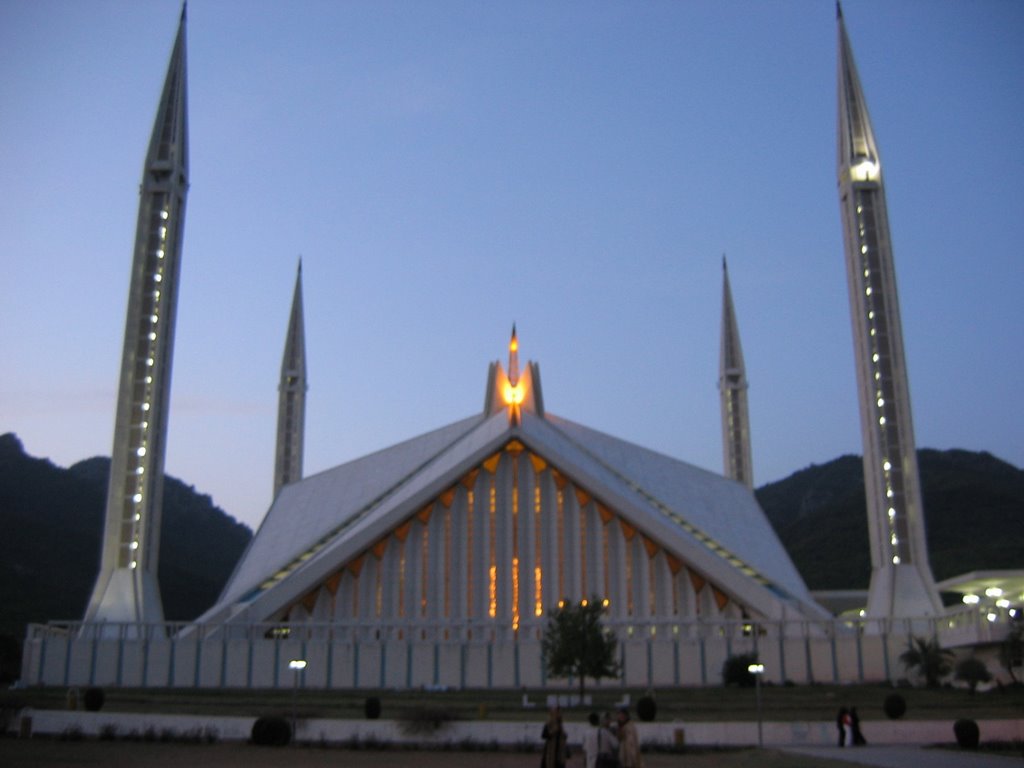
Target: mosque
436,562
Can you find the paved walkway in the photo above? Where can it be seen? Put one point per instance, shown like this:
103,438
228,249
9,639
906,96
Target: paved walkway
909,757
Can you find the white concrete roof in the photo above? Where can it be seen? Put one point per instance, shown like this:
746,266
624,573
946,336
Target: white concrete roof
318,524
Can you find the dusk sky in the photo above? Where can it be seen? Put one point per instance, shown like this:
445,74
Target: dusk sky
445,169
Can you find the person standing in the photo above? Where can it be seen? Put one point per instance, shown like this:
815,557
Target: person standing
629,742
847,729
600,747
858,737
841,716
556,747
592,741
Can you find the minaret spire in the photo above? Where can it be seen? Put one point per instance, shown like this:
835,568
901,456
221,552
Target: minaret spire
901,578
732,386
291,409
126,589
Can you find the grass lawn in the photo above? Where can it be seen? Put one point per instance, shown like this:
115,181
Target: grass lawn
782,704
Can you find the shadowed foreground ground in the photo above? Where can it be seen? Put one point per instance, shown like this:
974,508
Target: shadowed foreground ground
48,753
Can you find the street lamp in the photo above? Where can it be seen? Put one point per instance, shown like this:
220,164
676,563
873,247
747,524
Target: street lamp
757,670
298,666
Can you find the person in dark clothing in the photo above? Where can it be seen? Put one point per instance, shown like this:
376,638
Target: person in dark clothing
858,737
556,747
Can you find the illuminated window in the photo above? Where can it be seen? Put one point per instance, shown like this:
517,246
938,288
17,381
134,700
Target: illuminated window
538,593
515,593
492,571
538,581
492,609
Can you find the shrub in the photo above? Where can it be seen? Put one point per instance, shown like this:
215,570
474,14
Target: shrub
967,733
371,708
646,708
972,671
93,699
271,732
895,706
425,720
735,672
72,733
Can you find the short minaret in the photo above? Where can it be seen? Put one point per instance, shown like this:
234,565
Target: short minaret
126,589
732,386
901,578
291,408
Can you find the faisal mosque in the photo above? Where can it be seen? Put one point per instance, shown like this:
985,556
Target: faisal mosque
437,561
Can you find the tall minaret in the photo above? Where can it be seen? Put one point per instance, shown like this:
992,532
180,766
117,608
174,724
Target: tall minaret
126,589
291,408
901,579
732,385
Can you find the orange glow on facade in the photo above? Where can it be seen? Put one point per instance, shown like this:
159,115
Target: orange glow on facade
514,395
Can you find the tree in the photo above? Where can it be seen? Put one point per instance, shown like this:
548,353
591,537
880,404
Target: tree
929,658
576,645
972,671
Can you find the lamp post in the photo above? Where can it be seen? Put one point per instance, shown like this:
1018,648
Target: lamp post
757,670
298,666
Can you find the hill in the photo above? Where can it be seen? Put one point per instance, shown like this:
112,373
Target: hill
51,523
973,506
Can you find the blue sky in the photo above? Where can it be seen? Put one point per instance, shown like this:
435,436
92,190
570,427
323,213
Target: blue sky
447,168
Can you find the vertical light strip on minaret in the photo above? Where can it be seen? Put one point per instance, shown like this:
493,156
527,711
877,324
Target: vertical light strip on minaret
901,579
291,409
732,385
126,589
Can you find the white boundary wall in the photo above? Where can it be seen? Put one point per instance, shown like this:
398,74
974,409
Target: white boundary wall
257,656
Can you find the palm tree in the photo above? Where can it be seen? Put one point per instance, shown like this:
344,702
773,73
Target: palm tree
929,658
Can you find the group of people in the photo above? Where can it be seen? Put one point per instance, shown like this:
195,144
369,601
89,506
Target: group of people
607,743
848,725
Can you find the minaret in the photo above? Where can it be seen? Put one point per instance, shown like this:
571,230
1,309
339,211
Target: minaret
901,579
732,385
291,408
126,589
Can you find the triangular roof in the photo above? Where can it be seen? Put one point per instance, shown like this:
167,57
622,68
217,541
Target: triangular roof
317,526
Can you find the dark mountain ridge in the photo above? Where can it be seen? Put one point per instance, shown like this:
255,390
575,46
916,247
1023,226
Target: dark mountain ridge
51,524
973,509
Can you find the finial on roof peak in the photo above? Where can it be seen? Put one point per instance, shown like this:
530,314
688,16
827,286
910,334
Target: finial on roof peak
513,358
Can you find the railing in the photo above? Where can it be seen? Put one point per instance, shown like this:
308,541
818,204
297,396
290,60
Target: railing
965,622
